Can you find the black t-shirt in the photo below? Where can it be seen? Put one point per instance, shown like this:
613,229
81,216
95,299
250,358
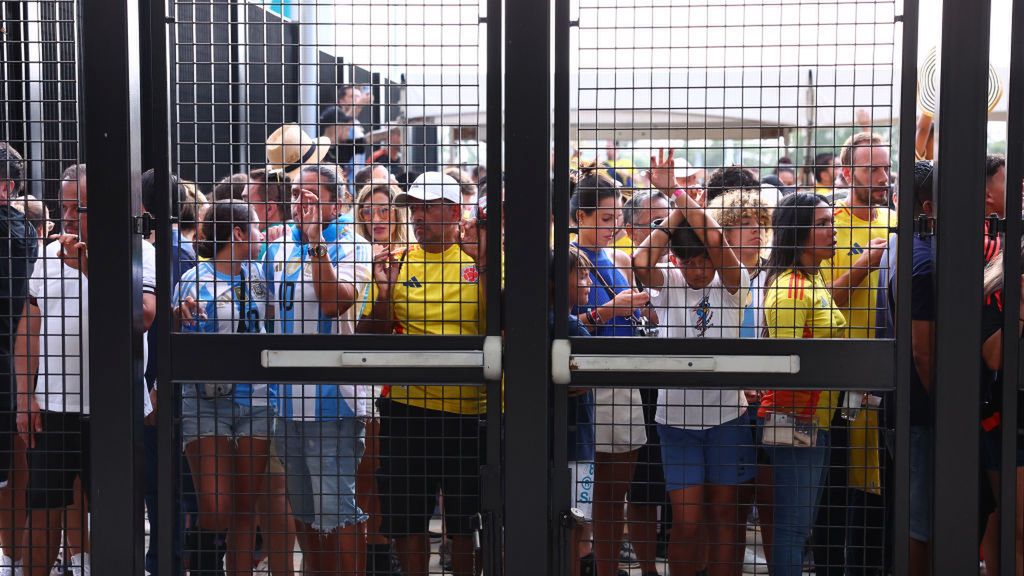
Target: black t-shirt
992,380
19,249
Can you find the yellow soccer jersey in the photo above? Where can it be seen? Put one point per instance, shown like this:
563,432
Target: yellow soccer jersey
438,294
853,236
624,243
801,306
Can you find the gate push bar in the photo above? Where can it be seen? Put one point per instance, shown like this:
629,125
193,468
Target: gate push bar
564,363
488,359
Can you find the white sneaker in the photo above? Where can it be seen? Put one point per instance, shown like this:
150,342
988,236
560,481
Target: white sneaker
6,566
754,562
80,565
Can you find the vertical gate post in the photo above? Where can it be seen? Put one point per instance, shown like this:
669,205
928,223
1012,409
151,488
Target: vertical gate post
1011,344
900,494
960,183
529,522
110,40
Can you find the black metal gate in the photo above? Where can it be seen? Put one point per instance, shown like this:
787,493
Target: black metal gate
195,88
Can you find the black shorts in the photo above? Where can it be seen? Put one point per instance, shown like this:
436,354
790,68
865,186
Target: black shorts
61,454
648,486
422,452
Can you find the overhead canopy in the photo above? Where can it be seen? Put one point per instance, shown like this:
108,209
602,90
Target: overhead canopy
695,104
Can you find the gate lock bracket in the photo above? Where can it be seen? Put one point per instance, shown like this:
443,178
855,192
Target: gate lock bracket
144,224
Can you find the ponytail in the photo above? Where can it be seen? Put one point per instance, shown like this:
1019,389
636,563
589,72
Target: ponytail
218,223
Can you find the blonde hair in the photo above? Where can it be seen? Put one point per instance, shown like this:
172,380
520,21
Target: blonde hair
867,139
730,208
35,212
398,214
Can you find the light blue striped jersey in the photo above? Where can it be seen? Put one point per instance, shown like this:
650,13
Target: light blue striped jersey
297,311
232,305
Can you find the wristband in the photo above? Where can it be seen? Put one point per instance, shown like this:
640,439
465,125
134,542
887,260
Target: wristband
678,192
595,317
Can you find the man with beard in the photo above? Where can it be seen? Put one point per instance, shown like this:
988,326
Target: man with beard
862,224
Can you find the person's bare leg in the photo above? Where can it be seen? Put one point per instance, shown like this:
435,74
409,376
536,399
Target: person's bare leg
726,528
612,475
278,528
44,535
343,551
366,484
990,540
13,512
312,547
464,559
685,543
249,465
211,459
413,553
643,534
920,558
76,522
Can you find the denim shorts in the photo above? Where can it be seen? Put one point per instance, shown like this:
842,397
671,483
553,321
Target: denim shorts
320,461
222,416
722,455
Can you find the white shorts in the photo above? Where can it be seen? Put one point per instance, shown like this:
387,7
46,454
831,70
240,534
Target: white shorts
618,420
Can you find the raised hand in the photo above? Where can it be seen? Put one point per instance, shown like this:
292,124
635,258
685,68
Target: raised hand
309,216
663,171
189,312
474,242
73,252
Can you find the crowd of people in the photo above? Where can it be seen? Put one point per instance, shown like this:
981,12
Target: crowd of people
346,478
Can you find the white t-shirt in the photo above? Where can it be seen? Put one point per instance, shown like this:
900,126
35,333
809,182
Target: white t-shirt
710,312
62,294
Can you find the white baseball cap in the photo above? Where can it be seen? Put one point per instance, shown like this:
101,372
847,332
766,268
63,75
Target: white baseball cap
432,186
684,170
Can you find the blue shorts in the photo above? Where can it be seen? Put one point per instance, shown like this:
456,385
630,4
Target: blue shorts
722,455
320,461
921,469
991,450
201,417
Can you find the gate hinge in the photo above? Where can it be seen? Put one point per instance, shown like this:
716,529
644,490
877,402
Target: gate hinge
924,226
144,224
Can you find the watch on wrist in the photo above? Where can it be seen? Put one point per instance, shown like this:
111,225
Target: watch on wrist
317,250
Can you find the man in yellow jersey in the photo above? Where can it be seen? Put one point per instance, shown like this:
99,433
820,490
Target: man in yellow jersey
432,435
862,224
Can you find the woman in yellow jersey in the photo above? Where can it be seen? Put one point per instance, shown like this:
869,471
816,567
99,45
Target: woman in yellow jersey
794,424
383,223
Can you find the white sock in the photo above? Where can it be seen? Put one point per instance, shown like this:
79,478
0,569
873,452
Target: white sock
80,564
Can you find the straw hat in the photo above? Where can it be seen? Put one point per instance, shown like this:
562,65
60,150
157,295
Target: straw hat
289,148
928,84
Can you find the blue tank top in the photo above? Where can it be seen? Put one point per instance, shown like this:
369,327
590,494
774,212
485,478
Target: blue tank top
605,267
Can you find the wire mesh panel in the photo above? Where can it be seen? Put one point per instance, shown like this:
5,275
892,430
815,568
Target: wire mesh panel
330,181
44,311
731,179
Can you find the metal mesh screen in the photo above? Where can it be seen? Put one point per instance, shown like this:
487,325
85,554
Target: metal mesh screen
44,314
329,160
731,178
